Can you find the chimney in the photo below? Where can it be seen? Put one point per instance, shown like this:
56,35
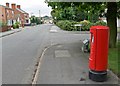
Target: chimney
7,4
18,6
13,6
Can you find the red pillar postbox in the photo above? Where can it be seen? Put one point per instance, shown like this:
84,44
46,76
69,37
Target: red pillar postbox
98,59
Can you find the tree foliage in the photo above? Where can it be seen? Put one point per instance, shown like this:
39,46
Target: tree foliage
76,11
91,11
36,20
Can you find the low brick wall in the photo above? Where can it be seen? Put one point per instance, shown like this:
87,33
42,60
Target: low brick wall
0,29
3,29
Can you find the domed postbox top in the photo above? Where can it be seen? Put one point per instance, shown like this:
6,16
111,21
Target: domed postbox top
99,27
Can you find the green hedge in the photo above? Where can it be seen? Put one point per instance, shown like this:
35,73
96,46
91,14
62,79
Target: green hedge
101,23
69,25
66,25
86,25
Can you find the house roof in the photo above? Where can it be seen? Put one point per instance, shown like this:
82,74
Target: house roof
6,7
21,10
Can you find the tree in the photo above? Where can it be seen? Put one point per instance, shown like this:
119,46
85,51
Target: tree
32,19
36,20
113,11
112,22
112,14
92,9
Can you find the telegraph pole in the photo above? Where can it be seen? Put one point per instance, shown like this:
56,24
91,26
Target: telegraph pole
39,13
39,16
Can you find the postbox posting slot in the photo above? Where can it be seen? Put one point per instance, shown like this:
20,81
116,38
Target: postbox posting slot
92,38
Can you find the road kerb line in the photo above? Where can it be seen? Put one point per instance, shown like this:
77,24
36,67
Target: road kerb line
10,33
38,68
34,82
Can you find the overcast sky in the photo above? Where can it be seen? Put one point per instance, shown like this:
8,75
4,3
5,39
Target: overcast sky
31,6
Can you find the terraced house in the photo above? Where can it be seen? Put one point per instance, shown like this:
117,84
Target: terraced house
6,17
20,16
9,16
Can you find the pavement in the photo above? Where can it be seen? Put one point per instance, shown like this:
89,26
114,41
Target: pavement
2,34
6,33
65,63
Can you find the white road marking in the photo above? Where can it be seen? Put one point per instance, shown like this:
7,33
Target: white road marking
53,30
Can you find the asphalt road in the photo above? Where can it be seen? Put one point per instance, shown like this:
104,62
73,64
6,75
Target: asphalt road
20,51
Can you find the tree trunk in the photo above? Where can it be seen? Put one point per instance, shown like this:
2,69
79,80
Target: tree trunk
112,23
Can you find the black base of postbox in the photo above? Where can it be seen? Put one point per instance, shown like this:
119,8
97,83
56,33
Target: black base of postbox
98,76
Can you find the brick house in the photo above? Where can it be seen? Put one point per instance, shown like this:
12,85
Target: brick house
6,16
10,16
21,16
27,19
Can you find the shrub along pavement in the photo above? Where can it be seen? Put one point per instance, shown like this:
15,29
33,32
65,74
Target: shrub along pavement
69,25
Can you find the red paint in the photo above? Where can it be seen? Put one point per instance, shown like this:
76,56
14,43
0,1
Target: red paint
99,48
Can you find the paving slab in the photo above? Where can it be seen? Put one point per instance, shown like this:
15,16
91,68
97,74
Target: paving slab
62,53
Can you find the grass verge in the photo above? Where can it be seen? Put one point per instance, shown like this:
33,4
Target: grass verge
114,59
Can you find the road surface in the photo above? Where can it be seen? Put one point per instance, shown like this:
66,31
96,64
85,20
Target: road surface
20,51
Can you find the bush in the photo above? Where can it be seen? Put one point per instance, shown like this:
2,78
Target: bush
101,23
86,25
16,25
66,25
69,25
